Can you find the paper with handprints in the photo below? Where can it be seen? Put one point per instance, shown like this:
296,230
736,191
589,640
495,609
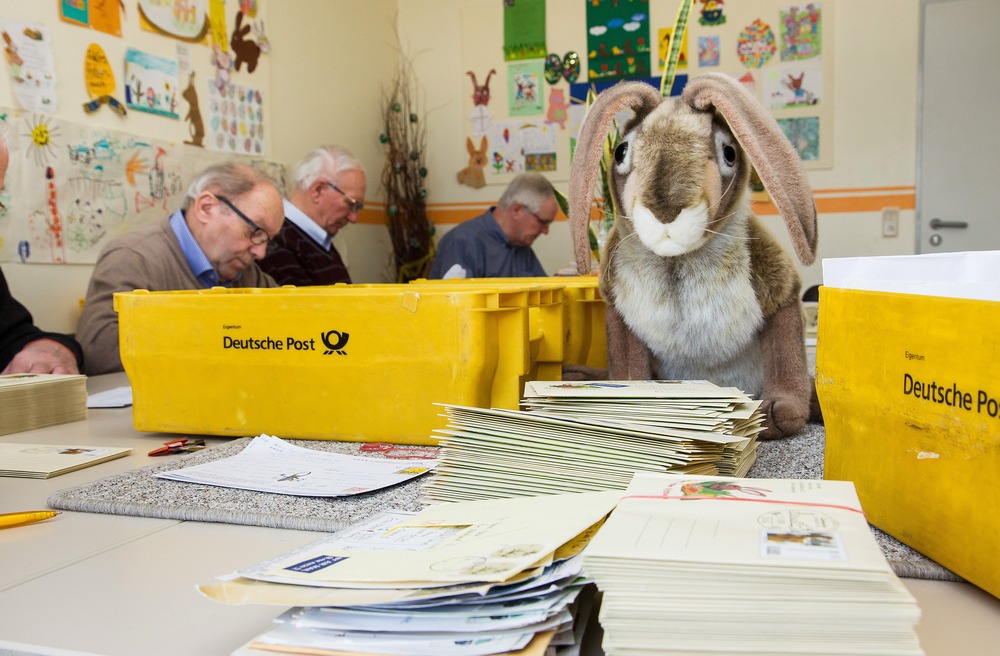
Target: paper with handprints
269,464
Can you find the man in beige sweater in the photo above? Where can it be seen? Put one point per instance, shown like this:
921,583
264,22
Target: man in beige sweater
230,214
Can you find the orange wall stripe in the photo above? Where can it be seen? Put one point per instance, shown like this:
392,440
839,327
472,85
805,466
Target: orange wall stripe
828,201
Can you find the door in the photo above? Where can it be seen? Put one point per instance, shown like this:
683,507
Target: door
958,151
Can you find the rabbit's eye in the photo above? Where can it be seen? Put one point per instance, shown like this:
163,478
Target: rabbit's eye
729,153
621,152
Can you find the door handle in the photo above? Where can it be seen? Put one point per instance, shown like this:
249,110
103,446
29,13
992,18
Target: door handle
941,223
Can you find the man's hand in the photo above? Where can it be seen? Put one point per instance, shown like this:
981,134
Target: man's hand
43,356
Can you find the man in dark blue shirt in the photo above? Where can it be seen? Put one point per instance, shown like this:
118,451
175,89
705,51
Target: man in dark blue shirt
497,244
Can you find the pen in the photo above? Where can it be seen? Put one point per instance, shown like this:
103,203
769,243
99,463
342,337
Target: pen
10,520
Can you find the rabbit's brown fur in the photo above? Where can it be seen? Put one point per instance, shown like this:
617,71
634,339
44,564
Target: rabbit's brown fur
696,287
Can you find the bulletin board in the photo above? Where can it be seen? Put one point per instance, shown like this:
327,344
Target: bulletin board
781,51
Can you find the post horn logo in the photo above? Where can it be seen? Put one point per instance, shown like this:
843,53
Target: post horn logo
335,341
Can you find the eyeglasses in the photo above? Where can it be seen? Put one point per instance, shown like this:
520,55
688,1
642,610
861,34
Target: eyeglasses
353,205
258,236
545,224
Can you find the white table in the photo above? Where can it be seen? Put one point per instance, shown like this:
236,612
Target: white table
114,585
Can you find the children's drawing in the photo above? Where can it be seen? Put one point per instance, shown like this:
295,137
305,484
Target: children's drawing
481,93
666,36
182,19
712,12
103,15
709,51
801,31
100,80
538,143
472,175
29,60
76,186
524,88
151,83
617,39
236,120
789,87
755,45
804,135
506,153
558,108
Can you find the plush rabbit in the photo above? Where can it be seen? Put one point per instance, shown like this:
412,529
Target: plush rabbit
472,175
695,287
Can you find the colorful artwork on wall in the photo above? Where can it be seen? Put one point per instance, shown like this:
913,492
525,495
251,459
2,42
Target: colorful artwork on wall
102,15
755,45
788,87
235,119
524,88
617,39
523,29
27,46
151,83
76,186
804,134
801,31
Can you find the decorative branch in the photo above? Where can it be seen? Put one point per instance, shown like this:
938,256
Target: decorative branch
403,177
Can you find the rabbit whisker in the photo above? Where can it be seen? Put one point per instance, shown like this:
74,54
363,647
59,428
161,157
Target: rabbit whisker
722,234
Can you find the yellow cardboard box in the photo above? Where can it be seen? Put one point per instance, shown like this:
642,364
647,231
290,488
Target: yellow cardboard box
910,391
336,363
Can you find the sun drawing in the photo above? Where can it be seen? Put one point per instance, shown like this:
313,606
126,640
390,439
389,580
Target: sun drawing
42,134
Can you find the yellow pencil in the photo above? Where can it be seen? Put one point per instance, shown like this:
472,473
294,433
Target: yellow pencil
10,520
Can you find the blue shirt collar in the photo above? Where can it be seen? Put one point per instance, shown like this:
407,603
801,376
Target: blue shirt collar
308,226
196,258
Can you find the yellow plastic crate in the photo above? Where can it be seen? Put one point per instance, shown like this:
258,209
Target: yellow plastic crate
583,327
911,400
339,363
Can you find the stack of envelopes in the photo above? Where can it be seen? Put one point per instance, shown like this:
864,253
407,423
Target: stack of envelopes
29,401
578,437
460,579
719,565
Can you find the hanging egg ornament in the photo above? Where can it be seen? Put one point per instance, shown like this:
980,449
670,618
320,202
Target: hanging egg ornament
396,107
413,118
423,171
383,138
553,68
415,155
392,210
571,67
422,192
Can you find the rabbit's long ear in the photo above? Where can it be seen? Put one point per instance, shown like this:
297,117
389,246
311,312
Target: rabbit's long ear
777,163
642,98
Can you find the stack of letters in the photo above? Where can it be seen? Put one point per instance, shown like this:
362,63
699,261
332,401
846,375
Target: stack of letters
462,579
586,436
711,566
29,401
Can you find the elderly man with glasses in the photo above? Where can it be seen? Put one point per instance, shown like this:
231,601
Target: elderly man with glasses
497,244
328,192
229,216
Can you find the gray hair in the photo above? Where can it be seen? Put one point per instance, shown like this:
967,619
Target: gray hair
230,179
321,162
528,189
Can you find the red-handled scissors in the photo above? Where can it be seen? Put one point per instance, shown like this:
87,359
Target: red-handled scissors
401,452
181,444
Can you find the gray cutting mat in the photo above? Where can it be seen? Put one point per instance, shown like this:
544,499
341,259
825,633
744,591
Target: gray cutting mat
139,493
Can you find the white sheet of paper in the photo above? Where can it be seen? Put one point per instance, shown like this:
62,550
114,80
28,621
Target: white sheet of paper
118,397
969,275
269,464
